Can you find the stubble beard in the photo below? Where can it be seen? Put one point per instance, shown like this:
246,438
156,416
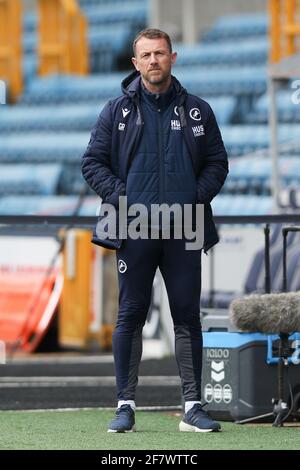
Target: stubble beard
162,79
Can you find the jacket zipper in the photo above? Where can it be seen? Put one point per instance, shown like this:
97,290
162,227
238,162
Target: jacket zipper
161,162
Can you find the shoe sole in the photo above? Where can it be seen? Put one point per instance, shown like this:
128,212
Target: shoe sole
184,427
125,430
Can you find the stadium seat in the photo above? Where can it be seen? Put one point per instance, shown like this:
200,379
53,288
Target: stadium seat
256,173
106,45
225,204
134,12
238,26
287,111
43,147
224,108
47,205
243,139
43,118
213,81
224,80
250,52
67,88
29,179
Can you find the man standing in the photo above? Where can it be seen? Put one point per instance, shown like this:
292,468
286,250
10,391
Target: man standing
157,144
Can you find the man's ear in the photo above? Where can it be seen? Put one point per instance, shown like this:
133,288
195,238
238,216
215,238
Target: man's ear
173,57
134,61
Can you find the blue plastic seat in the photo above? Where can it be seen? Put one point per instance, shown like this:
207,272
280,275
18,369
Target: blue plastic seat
43,147
250,52
73,89
243,139
50,118
216,80
51,205
29,179
238,26
287,110
224,108
242,205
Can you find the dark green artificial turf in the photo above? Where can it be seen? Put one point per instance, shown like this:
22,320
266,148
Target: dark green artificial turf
155,431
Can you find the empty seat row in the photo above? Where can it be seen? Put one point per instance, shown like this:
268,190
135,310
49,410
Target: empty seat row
106,44
257,167
199,81
253,174
225,204
62,147
287,102
80,117
238,26
64,205
249,52
133,12
50,205
242,139
43,147
29,179
49,118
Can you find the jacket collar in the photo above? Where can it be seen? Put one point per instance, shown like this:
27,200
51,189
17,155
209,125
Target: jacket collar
158,100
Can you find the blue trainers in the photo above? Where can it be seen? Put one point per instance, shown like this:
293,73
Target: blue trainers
198,420
124,420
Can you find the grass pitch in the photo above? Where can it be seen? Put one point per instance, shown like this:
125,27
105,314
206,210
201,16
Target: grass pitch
86,430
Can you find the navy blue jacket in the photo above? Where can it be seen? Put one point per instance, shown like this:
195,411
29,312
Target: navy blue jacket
116,136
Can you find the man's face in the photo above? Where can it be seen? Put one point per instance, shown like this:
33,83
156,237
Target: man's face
154,61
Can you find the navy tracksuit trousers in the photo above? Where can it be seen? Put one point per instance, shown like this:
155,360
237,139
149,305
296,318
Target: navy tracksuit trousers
181,269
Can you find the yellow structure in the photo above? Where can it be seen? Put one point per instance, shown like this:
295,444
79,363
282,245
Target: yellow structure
10,46
86,304
74,315
284,28
63,42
